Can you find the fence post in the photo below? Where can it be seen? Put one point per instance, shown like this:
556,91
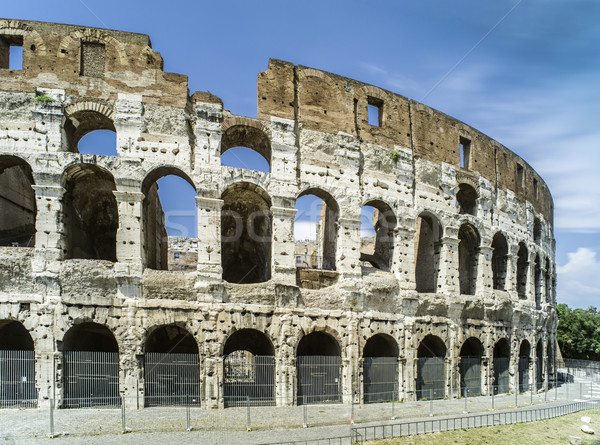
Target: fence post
305,412
493,392
51,417
531,395
567,390
431,402
516,397
466,400
188,415
248,425
556,384
546,390
123,423
352,410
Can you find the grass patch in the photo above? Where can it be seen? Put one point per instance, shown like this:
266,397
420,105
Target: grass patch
553,431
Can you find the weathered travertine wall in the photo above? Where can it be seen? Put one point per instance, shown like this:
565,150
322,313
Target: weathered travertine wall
313,129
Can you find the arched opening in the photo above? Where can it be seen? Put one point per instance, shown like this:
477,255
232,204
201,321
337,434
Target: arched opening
99,142
539,365
537,231
524,358
17,366
246,234
171,368
90,213
243,146
550,366
466,200
522,268
319,368
548,281
427,253
248,369
499,260
91,367
471,354
380,369
431,369
468,258
17,203
501,365
377,223
170,220
315,234
538,282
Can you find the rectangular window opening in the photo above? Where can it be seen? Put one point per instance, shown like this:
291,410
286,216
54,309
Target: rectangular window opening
176,256
535,188
465,152
375,111
520,174
11,52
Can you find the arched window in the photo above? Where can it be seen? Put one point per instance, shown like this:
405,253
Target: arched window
431,374
248,369
468,258
171,368
471,354
500,251
244,146
319,368
466,199
524,358
246,234
17,203
377,223
99,142
501,365
170,220
548,281
537,231
81,123
17,366
522,269
538,282
90,213
380,369
91,367
427,252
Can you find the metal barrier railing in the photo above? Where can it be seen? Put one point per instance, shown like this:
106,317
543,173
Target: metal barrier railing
17,379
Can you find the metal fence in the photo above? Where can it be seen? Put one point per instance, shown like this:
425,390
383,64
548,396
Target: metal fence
91,379
17,379
319,379
523,374
380,379
171,379
501,377
431,377
248,378
470,375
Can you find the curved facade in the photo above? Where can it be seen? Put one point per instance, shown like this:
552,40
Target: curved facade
461,269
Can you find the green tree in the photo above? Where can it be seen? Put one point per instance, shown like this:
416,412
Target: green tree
578,332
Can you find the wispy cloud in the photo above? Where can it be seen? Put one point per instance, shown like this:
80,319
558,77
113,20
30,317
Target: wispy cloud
578,285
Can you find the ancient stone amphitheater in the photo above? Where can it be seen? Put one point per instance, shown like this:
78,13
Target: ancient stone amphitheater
97,305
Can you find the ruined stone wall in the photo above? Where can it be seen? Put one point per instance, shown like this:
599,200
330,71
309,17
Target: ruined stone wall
313,129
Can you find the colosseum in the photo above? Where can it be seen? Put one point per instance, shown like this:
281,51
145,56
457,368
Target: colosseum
454,292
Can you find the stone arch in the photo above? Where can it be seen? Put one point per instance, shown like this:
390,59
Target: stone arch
431,368
468,258
18,209
89,336
466,199
248,339
380,368
71,42
83,117
522,270
246,234
17,28
170,338
90,212
17,365
523,367
501,356
499,260
470,369
245,132
428,235
380,252
14,336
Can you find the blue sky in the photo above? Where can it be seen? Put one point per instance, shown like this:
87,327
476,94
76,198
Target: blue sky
532,83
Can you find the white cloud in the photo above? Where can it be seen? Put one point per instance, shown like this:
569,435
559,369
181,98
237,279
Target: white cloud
305,230
578,283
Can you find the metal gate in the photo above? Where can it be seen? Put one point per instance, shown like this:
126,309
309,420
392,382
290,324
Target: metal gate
523,374
501,365
431,379
91,379
171,379
380,379
319,379
17,379
470,375
249,377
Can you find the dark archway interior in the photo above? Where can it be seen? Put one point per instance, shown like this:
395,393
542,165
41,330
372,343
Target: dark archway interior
171,339
249,340
468,252
466,197
247,136
427,253
90,337
522,266
246,234
472,347
431,346
537,231
538,282
381,345
380,252
500,252
502,348
17,203
91,215
83,122
14,336
525,349
318,343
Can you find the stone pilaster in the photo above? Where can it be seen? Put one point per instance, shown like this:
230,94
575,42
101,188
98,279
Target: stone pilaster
403,259
484,281
49,237
283,265
209,238
348,251
129,233
448,277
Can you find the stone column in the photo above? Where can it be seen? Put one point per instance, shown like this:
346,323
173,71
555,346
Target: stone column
209,238
448,277
403,260
348,252
129,233
49,237
510,283
484,283
283,264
